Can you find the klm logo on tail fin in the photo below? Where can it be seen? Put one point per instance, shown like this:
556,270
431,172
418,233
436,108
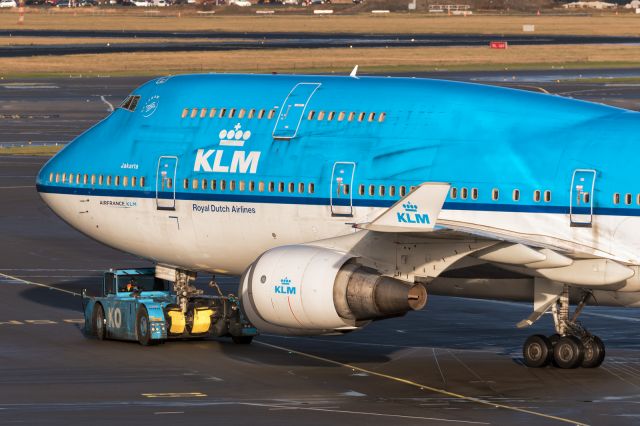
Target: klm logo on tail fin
411,215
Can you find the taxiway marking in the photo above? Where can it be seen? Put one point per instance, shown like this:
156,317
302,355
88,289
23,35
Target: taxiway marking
422,386
175,395
12,278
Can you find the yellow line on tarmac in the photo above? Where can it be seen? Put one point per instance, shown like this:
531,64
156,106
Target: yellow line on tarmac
424,387
38,284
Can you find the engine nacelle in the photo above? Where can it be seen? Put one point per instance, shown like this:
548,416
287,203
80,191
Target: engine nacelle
307,290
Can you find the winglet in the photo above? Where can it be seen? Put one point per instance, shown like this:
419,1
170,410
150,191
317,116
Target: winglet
417,212
354,73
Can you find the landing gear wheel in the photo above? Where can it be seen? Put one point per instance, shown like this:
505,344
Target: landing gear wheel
593,352
99,325
143,327
537,351
568,352
242,340
554,339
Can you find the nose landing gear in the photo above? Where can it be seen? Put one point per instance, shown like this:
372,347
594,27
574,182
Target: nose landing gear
572,346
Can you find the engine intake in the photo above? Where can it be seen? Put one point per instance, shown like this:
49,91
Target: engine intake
306,290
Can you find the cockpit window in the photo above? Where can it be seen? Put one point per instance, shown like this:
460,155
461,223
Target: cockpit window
130,103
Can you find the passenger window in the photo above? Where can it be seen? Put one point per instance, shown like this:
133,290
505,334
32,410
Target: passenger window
272,113
64,178
361,116
381,190
261,187
341,115
261,114
232,112
223,112
232,185
321,116
346,188
142,181
93,179
51,177
125,181
57,177
547,196
352,115
516,195
616,196
203,113
78,179
311,188
85,180
252,113
169,183
241,186
185,184
463,193
361,189
627,199
185,112
474,193
272,186
392,191
301,188
194,112
403,191
413,188
241,113
204,184
223,185
133,181
291,187
213,185
281,187
453,193
101,180
117,181
372,190
310,115
252,186
108,180
495,194
194,184
212,113
372,116
331,115
382,116
536,195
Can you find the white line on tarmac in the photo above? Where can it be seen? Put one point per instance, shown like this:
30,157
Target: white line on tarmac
38,284
17,187
109,104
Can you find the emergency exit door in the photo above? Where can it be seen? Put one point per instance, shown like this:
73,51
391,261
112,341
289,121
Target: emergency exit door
581,201
166,183
341,197
293,109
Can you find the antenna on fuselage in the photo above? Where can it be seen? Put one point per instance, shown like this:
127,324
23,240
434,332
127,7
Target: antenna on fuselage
354,73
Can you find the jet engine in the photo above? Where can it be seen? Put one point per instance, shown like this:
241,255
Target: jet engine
307,290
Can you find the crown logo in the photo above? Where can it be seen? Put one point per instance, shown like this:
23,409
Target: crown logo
410,207
234,137
285,281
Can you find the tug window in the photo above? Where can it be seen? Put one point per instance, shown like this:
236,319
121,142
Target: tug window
311,115
536,195
382,116
352,116
203,113
185,112
516,195
212,113
547,196
495,194
341,115
311,188
194,112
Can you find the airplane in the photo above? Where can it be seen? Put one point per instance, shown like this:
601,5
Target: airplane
344,199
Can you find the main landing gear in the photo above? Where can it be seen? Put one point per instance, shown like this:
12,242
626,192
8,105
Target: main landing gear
572,346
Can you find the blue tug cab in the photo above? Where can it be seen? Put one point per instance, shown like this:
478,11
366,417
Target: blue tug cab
137,304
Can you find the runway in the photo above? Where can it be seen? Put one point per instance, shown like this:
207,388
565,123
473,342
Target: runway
456,362
225,41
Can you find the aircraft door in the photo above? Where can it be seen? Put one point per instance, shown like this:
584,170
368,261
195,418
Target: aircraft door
341,196
581,197
166,183
293,109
